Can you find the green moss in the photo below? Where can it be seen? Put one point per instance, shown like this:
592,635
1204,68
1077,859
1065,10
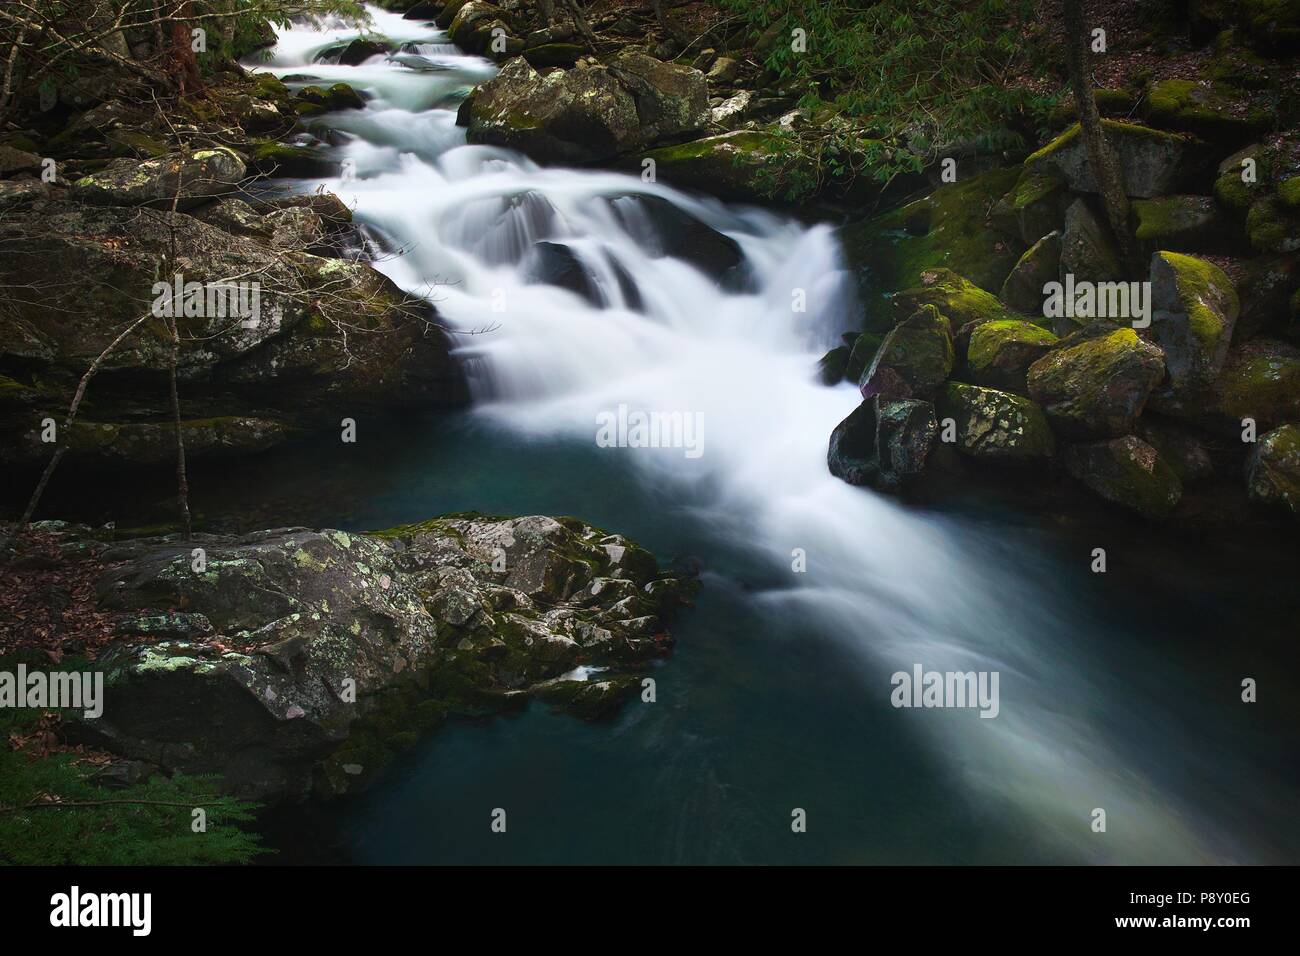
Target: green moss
996,425
1271,228
1201,284
1288,190
1211,110
1232,193
989,339
1113,128
961,302
949,228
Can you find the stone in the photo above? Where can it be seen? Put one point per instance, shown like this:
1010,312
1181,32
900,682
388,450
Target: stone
1273,470
915,358
1152,162
996,425
1041,264
1128,472
1194,310
193,177
999,353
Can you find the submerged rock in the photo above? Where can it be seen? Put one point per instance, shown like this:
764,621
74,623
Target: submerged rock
323,653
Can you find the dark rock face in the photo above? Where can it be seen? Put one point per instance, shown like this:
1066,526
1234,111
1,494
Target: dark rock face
554,263
1273,471
915,358
309,658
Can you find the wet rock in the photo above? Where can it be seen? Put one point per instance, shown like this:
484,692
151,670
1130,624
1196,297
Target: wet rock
1033,207
331,651
553,263
852,453
996,425
905,431
663,229
1178,445
742,165
1128,472
1097,381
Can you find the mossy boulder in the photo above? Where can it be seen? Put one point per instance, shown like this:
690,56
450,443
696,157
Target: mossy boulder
958,300
996,425
1180,223
193,177
1212,111
949,228
1152,162
591,114
1194,309
1000,353
831,366
287,159
554,54
1260,380
742,165
1182,447
1035,206
1273,470
1041,264
862,350
1272,227
154,443
915,358
1096,382
1128,472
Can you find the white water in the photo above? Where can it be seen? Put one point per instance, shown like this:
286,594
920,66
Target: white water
900,587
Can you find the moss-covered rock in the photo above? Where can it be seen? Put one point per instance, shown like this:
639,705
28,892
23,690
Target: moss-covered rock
1128,472
1097,381
915,358
1273,471
1181,447
1000,352
1041,264
1180,224
1212,111
1260,380
743,165
1272,227
996,425
862,351
949,228
1272,24
958,300
154,443
1035,206
1152,162
286,159
883,442
1194,310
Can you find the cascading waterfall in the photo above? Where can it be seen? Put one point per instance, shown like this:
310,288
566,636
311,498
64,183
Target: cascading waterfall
658,334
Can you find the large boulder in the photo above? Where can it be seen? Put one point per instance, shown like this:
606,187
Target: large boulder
307,659
1273,471
1097,381
851,456
1194,309
662,228
591,114
742,165
996,425
1000,353
915,358
1128,472
187,178
1152,162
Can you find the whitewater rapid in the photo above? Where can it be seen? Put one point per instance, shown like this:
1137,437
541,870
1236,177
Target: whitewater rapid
899,586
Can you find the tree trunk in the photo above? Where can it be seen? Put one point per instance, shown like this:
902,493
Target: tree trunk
1105,165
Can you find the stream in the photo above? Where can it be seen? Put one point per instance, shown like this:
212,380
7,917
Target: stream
1118,691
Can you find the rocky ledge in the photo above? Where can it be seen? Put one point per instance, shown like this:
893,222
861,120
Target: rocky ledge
296,662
